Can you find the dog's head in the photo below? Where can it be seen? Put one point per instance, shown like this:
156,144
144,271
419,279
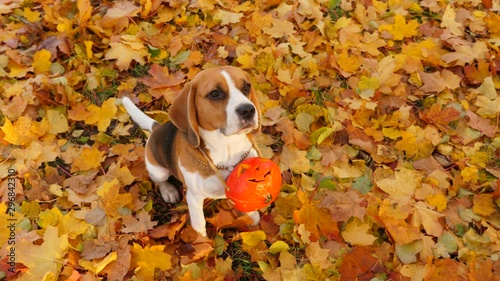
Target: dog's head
219,98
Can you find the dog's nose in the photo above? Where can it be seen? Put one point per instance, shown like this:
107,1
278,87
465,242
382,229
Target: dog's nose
246,111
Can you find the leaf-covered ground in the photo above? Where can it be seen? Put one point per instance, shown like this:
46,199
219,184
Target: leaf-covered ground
383,116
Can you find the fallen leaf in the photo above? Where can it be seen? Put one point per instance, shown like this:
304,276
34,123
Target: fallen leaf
41,61
453,270
317,221
356,233
253,238
484,205
400,29
400,184
318,255
359,264
89,158
44,260
343,205
127,50
102,115
148,258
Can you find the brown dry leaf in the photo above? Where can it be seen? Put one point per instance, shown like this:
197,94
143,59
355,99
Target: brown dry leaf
359,264
170,230
441,117
162,78
484,205
343,205
142,224
317,221
453,270
225,219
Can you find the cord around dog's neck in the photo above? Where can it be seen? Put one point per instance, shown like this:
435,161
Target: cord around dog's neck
216,168
207,161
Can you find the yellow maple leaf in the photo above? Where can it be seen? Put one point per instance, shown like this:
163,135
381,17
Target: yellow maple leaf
38,129
246,60
414,143
16,133
488,108
30,15
355,233
89,158
493,22
49,218
427,218
45,260
448,21
41,61
401,184
437,200
6,216
58,122
129,49
400,29
97,266
226,18
147,6
285,76
257,23
317,221
71,225
102,115
349,63
84,11
280,28
67,224
484,205
121,173
112,199
253,238
318,257
88,48
470,174
148,258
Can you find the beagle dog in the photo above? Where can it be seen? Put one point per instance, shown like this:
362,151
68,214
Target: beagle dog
214,116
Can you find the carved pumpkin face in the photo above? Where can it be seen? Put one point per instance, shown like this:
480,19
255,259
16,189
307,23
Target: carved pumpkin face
253,184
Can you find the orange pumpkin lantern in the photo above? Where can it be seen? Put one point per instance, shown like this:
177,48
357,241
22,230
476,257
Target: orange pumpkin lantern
253,184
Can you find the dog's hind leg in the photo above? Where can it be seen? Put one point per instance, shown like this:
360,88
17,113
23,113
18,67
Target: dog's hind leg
160,175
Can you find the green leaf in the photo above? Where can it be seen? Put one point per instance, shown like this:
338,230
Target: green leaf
314,154
363,184
180,57
327,184
278,247
407,253
304,121
321,134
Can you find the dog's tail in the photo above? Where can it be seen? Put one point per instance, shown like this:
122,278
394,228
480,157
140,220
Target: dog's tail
139,117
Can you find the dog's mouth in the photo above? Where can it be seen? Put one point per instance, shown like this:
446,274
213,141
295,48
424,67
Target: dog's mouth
244,128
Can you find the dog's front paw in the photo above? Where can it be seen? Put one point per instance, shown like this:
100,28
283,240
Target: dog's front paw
169,192
255,216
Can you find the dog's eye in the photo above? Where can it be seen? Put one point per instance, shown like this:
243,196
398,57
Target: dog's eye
246,88
215,95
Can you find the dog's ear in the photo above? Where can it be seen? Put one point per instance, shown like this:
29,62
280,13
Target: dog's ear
255,101
182,113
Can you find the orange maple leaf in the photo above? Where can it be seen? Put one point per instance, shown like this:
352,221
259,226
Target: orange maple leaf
440,117
317,221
